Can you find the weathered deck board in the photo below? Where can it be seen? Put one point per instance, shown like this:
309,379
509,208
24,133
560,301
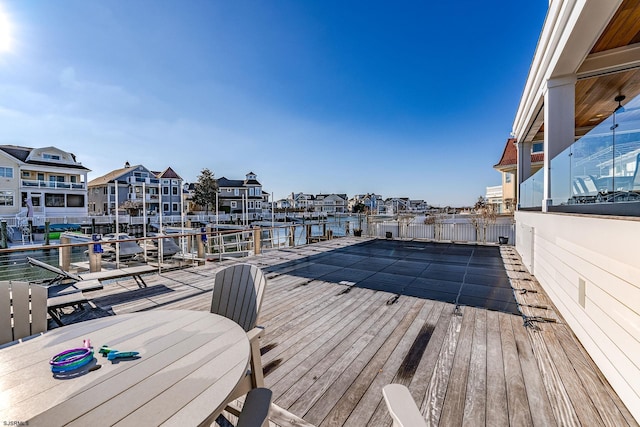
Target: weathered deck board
497,413
517,402
328,353
476,395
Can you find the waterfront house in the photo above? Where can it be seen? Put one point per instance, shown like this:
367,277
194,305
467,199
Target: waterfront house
493,197
53,179
508,165
578,224
372,202
126,185
171,190
330,203
301,201
237,196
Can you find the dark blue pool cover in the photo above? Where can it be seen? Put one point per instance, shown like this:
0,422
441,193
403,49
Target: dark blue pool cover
471,275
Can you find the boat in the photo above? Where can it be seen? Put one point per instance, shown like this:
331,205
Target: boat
169,246
128,249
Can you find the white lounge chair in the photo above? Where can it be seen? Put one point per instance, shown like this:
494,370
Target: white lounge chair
28,303
401,406
237,295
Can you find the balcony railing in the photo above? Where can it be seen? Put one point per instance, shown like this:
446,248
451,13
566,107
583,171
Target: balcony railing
138,180
53,184
599,173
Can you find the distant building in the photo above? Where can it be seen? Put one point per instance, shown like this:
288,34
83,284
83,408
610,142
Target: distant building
373,203
53,179
236,195
330,203
133,188
508,166
302,201
493,198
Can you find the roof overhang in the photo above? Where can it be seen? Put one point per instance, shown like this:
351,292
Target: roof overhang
583,38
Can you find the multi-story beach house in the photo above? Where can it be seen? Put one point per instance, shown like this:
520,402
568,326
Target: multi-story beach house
134,188
237,196
301,201
508,165
372,202
49,181
330,203
578,221
171,191
493,197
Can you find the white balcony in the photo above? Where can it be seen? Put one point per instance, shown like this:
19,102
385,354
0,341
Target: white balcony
32,183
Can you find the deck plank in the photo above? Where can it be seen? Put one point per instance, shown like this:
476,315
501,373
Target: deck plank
372,398
518,404
497,412
538,402
453,408
337,389
476,394
346,406
431,406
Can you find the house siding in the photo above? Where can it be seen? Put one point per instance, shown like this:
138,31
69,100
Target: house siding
599,268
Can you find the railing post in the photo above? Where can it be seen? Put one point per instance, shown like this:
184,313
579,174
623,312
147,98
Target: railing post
292,236
95,259
201,253
3,230
257,244
64,254
46,233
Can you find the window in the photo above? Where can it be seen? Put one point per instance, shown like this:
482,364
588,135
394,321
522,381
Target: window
40,177
75,200
234,204
54,200
174,191
174,182
537,147
165,207
507,177
6,172
26,174
175,207
228,190
166,182
236,192
50,156
6,198
165,190
73,178
56,178
251,191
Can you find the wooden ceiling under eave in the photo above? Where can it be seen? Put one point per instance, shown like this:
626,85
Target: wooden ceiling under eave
595,95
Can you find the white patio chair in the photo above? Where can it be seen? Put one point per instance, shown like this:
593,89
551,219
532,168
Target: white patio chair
401,406
237,295
23,310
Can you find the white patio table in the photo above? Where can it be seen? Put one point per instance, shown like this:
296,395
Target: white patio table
190,362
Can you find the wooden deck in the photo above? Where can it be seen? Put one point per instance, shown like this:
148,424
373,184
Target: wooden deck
329,349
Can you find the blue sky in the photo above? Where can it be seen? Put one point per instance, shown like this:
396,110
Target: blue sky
404,99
